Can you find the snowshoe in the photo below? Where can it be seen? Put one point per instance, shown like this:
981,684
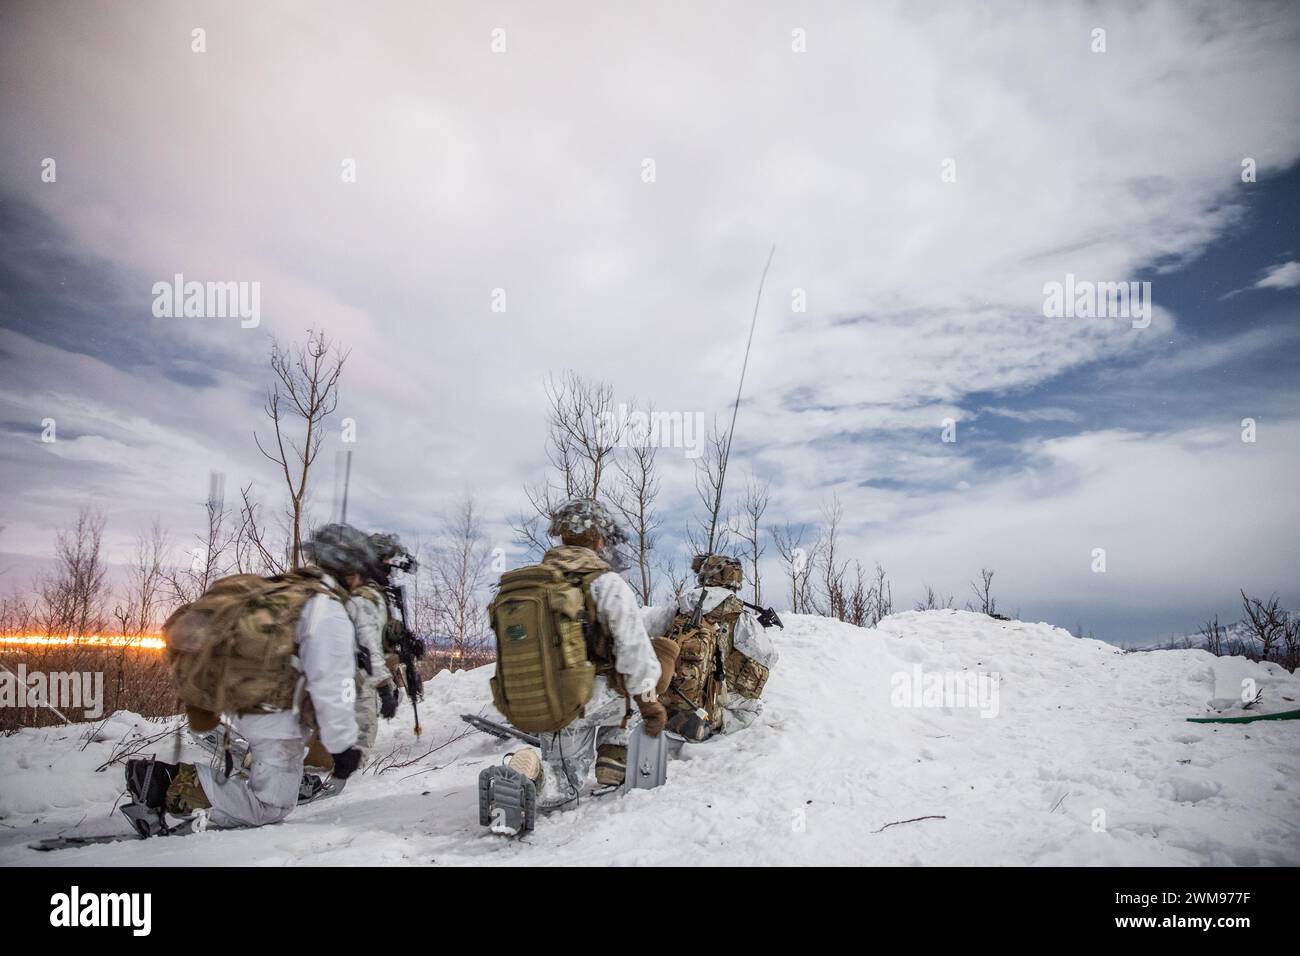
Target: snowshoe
507,801
147,782
309,787
148,825
146,821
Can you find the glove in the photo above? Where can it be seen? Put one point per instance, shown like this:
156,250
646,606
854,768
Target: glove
346,763
768,618
653,716
387,701
201,721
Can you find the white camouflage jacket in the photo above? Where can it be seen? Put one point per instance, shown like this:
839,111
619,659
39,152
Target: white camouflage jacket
327,656
748,637
369,614
620,614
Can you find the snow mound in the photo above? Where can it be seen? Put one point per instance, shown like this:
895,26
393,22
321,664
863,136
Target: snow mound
1018,743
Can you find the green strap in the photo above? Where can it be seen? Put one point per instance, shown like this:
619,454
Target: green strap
1284,715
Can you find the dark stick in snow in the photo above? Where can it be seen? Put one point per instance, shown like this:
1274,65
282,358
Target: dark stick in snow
913,820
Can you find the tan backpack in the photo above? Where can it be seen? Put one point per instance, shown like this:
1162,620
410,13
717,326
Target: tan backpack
550,646
745,676
235,649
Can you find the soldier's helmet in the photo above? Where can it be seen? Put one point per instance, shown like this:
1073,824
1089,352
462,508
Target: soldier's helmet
390,554
587,518
718,571
340,549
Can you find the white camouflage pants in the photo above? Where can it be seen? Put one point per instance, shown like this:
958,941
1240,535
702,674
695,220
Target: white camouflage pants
270,792
569,755
367,715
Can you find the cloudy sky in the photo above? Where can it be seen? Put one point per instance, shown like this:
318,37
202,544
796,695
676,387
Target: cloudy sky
505,146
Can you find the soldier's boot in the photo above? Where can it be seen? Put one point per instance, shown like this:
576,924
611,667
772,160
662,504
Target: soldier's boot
611,765
147,781
689,725
528,763
317,755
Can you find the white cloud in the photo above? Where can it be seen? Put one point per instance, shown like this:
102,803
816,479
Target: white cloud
1285,275
1185,517
1033,414
522,171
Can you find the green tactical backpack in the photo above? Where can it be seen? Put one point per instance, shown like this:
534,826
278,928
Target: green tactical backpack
544,669
235,649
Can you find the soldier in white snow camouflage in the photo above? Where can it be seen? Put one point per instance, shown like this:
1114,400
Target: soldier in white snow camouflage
741,646
590,545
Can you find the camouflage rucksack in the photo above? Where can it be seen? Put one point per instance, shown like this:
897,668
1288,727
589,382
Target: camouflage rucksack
235,649
550,646
745,675
697,683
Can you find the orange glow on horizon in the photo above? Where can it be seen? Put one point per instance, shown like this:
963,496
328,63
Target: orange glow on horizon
148,642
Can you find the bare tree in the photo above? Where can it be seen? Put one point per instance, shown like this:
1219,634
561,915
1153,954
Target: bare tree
857,602
147,584
635,497
209,557
306,389
798,563
882,597
1266,624
677,577
1267,632
869,599
932,601
254,552
985,602
583,431
460,573
73,596
711,533
749,530
1213,636
1289,650
834,598
18,615
422,597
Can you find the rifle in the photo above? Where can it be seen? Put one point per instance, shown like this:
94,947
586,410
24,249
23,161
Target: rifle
410,648
767,616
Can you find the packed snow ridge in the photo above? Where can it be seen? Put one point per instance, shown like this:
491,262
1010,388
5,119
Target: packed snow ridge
1017,743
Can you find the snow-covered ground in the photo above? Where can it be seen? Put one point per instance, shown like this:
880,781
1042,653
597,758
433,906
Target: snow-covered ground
1088,759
